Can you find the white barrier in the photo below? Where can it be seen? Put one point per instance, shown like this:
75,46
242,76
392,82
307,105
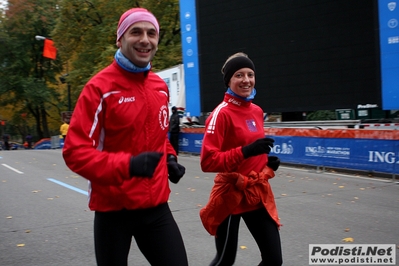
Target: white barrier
55,142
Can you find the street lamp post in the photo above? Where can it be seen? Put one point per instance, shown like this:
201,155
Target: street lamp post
63,77
63,81
39,38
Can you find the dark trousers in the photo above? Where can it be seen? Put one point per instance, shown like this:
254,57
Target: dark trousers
154,229
263,229
174,140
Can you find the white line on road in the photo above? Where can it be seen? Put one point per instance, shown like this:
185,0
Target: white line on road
68,186
9,167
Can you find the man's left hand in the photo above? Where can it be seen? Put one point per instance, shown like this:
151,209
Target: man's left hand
175,170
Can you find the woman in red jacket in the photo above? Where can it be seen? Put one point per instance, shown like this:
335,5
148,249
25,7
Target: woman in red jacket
118,140
234,145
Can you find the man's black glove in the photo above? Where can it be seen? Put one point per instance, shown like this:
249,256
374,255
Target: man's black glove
258,147
175,170
144,164
273,162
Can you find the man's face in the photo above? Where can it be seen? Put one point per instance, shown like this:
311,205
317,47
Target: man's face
139,43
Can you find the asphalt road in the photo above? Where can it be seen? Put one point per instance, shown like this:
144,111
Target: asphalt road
44,218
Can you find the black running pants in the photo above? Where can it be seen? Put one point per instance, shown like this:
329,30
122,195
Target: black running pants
154,229
262,227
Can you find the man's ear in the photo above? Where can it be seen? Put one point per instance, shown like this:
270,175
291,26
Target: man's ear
118,44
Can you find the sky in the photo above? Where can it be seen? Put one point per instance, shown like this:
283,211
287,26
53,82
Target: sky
2,3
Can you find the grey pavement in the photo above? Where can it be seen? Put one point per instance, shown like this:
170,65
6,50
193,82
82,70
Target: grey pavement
44,223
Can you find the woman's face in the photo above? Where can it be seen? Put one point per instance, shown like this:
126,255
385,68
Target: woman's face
243,82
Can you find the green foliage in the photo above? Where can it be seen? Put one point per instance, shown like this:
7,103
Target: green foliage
26,77
321,115
84,33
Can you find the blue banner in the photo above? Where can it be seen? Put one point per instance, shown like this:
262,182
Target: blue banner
361,154
190,142
188,25
389,53
372,155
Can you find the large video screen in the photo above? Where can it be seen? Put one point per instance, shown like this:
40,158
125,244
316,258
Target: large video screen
309,54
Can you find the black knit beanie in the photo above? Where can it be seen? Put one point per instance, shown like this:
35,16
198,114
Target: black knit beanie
235,64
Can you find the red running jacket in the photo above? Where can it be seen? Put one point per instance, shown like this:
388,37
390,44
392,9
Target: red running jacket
232,124
120,114
231,189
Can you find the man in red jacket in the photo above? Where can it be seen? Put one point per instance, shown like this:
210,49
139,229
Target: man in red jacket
117,139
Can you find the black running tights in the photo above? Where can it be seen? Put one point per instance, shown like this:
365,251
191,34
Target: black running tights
263,229
155,231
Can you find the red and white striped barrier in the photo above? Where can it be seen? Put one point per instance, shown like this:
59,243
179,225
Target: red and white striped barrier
382,125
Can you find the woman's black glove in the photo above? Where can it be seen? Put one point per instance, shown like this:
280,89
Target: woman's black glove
144,164
258,147
175,170
273,162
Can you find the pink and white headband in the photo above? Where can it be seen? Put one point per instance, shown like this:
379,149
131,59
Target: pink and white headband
135,15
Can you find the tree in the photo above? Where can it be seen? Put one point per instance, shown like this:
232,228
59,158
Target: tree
85,35
27,78
321,115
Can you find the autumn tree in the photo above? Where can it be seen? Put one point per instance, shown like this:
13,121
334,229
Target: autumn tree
85,35
321,115
28,84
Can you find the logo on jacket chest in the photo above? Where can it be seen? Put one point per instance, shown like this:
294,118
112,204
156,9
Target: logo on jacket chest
124,99
163,118
251,124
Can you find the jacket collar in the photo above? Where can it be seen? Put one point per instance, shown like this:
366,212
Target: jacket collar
236,101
